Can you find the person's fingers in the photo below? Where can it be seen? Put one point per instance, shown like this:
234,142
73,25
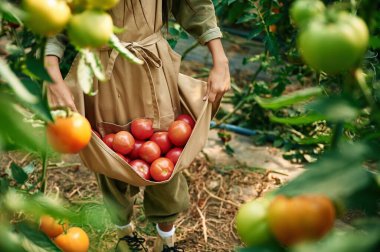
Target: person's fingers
212,95
208,90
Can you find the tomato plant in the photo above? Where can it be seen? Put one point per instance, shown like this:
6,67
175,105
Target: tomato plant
161,169
179,133
74,240
141,167
174,154
123,142
149,151
162,140
69,134
186,118
142,128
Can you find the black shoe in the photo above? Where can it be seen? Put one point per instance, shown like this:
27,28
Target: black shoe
172,249
134,243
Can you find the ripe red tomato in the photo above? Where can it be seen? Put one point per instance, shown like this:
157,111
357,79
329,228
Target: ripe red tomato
142,128
161,169
97,134
174,154
186,118
179,133
162,139
108,140
74,240
123,142
69,134
149,151
134,154
302,218
141,167
126,159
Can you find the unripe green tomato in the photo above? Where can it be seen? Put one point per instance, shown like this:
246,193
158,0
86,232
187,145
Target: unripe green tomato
302,11
90,29
46,17
251,223
102,4
334,44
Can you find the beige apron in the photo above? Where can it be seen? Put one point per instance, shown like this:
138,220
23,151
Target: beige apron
153,90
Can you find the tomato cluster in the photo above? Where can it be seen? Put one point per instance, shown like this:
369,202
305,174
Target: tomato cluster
289,220
73,239
152,155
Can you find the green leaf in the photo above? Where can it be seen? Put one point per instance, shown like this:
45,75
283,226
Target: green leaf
273,19
255,32
12,80
93,61
37,68
298,120
289,99
337,175
335,109
34,235
16,131
11,13
314,140
10,241
366,238
246,18
85,75
117,45
18,174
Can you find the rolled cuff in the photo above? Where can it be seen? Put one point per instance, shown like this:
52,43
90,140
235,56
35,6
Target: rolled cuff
54,47
210,35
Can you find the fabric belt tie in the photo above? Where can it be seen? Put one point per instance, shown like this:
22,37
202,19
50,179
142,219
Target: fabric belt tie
150,60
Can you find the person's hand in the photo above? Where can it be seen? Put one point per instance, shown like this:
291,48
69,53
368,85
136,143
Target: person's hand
60,96
218,81
58,92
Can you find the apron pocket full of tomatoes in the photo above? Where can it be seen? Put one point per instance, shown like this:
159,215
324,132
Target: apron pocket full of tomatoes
100,158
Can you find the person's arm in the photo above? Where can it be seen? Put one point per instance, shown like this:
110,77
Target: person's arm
58,91
219,79
59,94
198,18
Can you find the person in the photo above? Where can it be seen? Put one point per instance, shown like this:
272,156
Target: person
127,95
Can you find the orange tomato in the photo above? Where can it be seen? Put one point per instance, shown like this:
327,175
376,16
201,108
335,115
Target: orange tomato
74,240
69,134
302,218
51,227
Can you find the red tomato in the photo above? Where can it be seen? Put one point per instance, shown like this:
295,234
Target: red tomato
108,139
123,142
149,151
141,167
161,169
142,128
186,118
179,133
174,154
134,154
126,159
97,134
162,139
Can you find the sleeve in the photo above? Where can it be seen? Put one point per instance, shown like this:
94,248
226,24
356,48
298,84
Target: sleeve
198,18
56,46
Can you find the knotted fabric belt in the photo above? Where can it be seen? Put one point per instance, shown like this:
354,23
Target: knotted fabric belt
150,60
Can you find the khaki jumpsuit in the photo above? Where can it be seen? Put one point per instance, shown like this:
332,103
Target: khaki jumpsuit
135,91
